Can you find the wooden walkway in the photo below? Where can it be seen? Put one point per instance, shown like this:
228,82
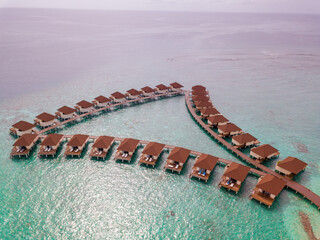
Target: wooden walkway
42,131
298,188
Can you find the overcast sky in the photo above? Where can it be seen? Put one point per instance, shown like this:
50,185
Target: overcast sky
287,6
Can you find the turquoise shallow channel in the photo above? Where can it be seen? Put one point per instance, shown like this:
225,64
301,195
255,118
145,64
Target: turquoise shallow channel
262,72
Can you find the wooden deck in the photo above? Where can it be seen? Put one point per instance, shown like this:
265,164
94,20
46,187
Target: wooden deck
173,168
143,160
234,187
42,152
305,192
73,153
262,198
98,154
24,153
121,158
196,174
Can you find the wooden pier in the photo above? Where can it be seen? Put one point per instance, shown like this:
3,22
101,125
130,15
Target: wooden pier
298,188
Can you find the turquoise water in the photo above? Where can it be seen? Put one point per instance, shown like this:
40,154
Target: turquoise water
261,70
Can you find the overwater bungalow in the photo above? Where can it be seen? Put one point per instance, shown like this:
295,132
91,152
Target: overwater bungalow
50,145
200,93
66,112
264,152
22,127
198,88
200,98
84,106
201,105
176,159
45,120
290,167
203,166
101,101
151,153
161,89
209,112
244,140
147,91
133,93
118,97
126,149
229,129
233,176
217,120
23,145
76,145
267,189
101,147
175,87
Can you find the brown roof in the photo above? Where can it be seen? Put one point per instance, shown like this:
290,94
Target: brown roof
217,119
46,117
66,110
25,139
237,171
147,89
271,184
153,149
200,98
23,125
206,161
203,104
103,142
198,87
128,144
102,99
264,150
78,140
134,92
179,154
209,111
176,85
84,104
244,138
229,127
51,139
292,164
118,95
162,87
199,93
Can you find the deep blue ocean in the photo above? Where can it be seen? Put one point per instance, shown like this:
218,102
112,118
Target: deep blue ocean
262,71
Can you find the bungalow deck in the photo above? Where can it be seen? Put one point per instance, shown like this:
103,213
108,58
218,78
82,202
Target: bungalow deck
196,174
262,198
16,153
70,153
173,168
42,152
120,157
152,163
235,187
98,154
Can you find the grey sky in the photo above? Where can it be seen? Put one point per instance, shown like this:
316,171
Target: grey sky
288,6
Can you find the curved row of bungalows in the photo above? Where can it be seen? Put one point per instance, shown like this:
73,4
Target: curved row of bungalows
203,104
45,120
209,112
151,153
76,145
22,127
233,176
264,152
117,97
101,101
244,140
65,113
229,129
290,167
84,107
175,87
203,166
101,146
23,145
133,93
217,120
50,144
267,188
161,88
126,149
176,159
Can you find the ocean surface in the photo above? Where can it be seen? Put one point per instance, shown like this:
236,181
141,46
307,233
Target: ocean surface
262,71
